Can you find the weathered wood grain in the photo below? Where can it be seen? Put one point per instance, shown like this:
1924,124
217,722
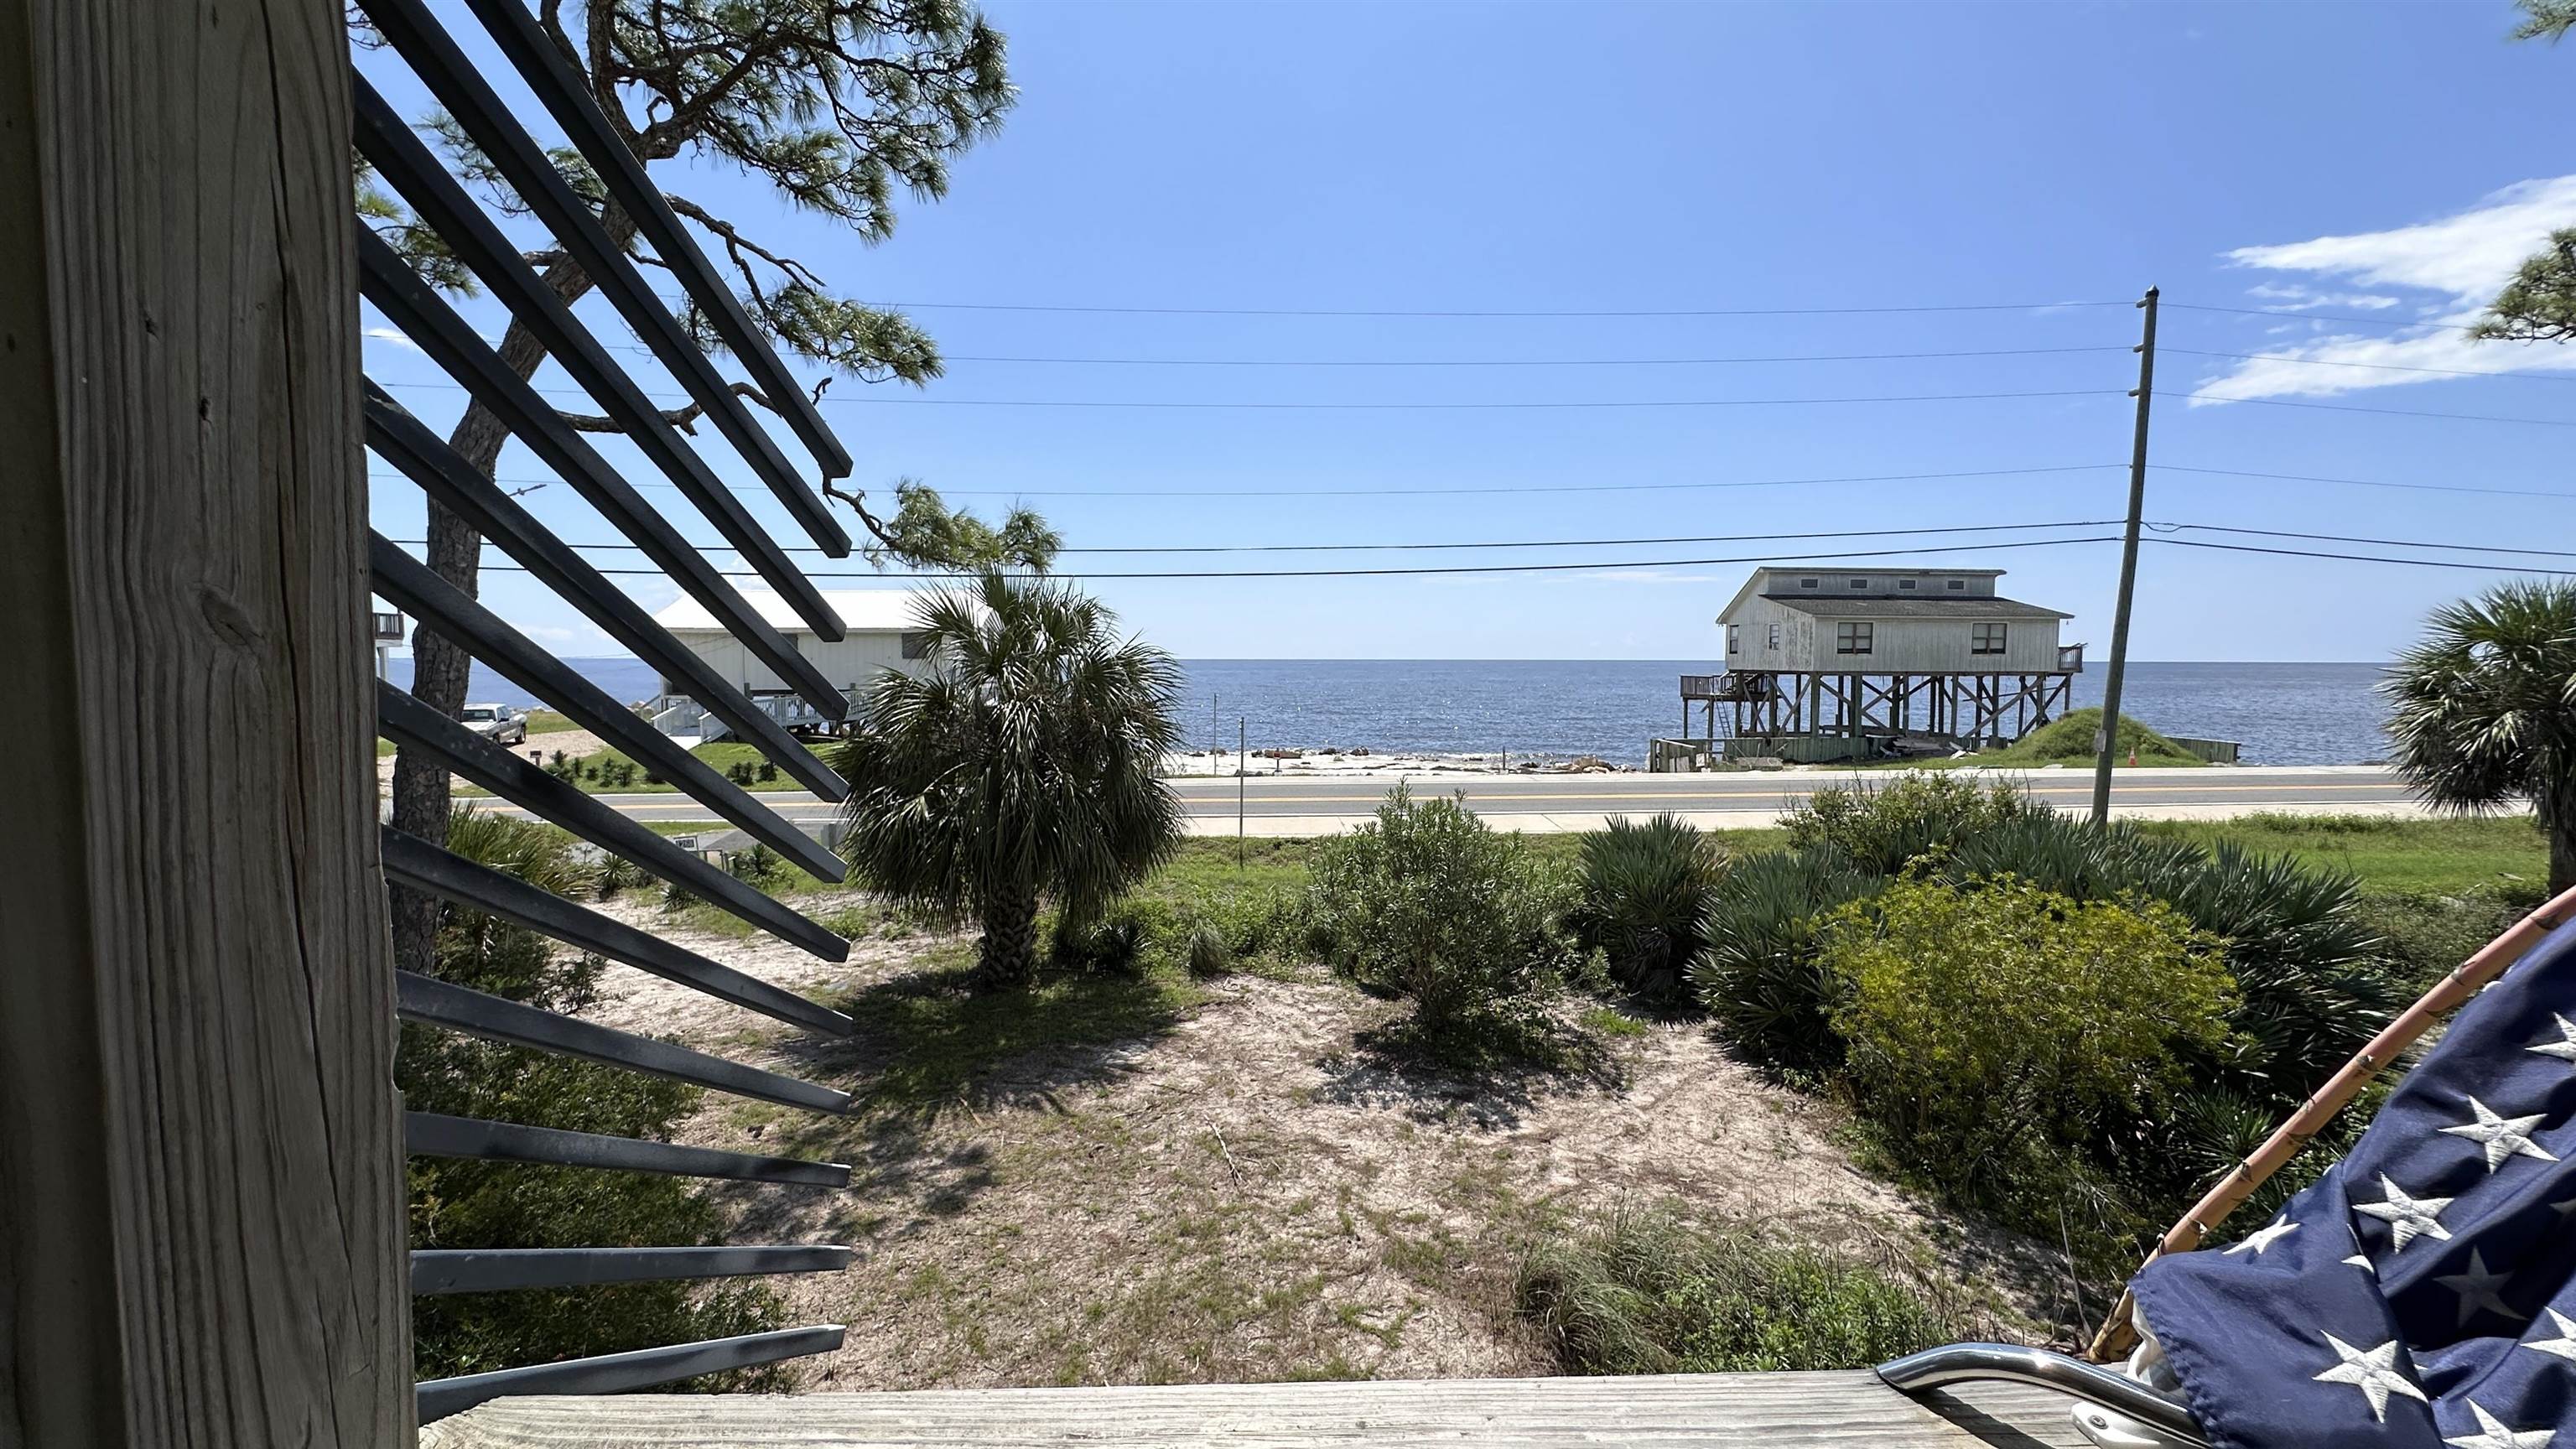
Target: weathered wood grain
1712,1411
200,1173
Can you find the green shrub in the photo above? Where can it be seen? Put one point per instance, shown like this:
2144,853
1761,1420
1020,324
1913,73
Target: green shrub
1428,903
468,1204
2071,738
1996,1031
1115,942
1759,973
1879,826
1645,892
1648,1293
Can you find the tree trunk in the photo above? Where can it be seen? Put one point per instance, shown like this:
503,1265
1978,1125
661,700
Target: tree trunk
440,669
1010,951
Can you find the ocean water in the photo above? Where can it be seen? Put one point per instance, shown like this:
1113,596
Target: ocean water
2283,714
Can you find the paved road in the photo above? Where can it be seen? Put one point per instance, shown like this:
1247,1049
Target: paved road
1289,805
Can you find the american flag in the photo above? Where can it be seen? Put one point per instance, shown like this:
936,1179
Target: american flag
2423,1292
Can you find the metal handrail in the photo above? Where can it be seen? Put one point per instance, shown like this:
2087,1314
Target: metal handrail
1935,1368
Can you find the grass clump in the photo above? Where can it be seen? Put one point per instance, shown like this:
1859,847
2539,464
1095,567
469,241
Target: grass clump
1650,1293
2070,738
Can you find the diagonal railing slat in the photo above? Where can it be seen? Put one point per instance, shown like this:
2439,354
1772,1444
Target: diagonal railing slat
492,1270
406,165
478,111
443,474
618,1372
395,290
406,721
425,867
561,91
408,583
432,1002
434,1134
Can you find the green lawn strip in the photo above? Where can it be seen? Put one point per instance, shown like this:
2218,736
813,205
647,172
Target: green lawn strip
2432,857
601,771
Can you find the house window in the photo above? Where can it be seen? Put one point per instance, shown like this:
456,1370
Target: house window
1860,583
1806,583
916,645
1955,585
1853,638
1774,641
1986,639
1733,634
1905,583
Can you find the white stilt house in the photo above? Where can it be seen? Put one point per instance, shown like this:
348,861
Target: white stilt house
1839,663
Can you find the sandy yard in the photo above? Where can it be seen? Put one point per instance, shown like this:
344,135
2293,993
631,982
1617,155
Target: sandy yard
1130,1181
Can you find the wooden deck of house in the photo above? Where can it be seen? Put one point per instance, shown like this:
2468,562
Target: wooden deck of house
1701,1411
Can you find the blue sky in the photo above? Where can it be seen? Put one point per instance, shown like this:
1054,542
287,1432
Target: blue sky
2380,162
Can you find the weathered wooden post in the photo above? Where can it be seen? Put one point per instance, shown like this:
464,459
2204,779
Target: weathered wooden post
201,1177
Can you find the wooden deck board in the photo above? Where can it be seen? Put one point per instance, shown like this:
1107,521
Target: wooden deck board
1772,1411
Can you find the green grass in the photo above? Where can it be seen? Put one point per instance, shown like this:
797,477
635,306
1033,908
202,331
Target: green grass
719,757
2435,857
384,748
2067,740
547,722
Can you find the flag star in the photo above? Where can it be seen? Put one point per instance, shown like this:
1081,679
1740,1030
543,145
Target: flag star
2373,1371
2477,1289
2358,1261
2564,1050
2255,1242
2407,1216
2492,1434
2502,1137
2564,1345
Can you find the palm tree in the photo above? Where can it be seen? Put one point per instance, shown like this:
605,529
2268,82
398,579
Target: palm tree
2484,710
1021,766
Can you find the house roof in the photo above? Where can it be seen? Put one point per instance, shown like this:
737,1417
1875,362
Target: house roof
1930,606
862,611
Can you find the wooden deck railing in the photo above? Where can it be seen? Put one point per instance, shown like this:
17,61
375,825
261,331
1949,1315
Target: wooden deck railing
406,165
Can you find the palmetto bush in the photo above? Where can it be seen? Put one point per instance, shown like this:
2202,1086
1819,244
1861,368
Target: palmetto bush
1020,768
1646,890
1878,826
1759,972
2483,710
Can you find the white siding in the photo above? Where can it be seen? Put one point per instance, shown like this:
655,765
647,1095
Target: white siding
851,663
1941,646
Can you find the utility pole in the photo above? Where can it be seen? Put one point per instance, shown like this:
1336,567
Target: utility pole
2107,742
1242,744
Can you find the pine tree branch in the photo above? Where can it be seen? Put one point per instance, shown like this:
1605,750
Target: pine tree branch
683,418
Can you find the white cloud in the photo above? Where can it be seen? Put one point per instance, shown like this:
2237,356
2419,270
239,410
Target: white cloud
2452,265
388,334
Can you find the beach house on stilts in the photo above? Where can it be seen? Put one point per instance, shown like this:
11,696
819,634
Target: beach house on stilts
1850,663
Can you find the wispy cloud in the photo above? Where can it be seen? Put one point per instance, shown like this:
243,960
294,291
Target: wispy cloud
388,334
2446,270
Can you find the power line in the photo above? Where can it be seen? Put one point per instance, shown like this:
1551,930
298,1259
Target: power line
2430,563
2372,366
1438,569
1468,312
1728,402
2378,542
2365,482
2308,316
2274,402
1534,361
1499,488
1512,543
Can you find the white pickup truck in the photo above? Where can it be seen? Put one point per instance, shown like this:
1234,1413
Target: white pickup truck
499,723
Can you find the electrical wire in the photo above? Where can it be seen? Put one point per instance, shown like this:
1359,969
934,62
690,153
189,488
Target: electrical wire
1533,361
1499,488
1528,568
1467,312
2377,542
2306,316
2363,482
2372,366
2430,563
1549,406
2274,402
1421,547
